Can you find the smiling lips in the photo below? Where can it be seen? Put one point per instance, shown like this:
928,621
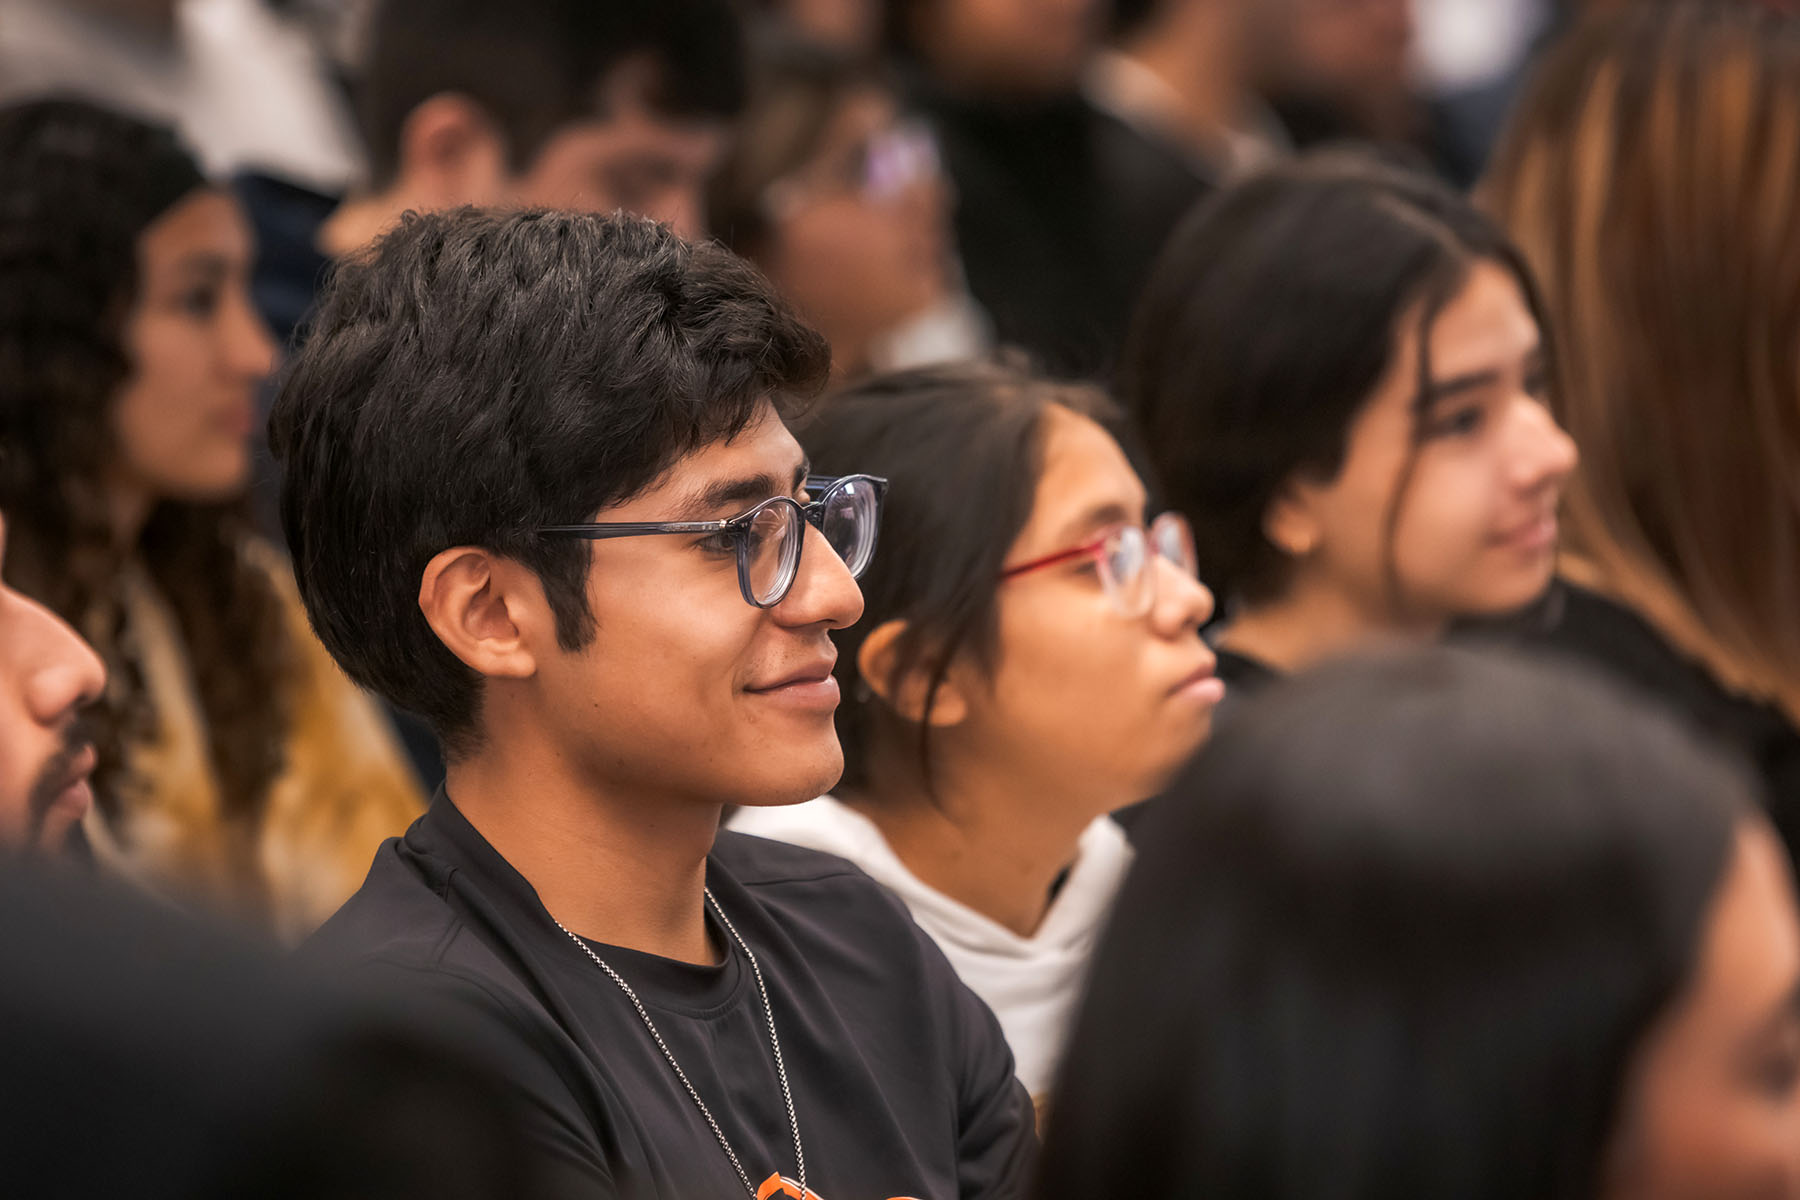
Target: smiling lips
808,687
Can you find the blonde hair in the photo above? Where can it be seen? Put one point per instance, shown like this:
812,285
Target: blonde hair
1651,175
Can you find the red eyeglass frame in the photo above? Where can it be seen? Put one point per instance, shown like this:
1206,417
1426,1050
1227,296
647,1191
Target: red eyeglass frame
1087,548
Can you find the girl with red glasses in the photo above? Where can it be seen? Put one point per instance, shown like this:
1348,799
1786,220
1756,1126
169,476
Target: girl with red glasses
1028,662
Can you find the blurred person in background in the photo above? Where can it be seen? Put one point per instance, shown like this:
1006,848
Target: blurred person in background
243,84
1440,924
1346,71
237,766
1029,660
852,28
543,103
1340,374
1341,68
1179,74
1649,177
1184,71
48,677
152,1056
243,81
1060,206
840,201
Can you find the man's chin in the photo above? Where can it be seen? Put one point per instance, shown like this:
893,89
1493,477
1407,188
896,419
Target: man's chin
810,787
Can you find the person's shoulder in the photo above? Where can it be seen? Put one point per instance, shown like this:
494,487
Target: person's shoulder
1616,637
398,913
826,824
813,890
763,862
400,932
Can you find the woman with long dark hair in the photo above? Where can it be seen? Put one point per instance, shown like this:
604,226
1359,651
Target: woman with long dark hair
238,767
1441,924
1341,375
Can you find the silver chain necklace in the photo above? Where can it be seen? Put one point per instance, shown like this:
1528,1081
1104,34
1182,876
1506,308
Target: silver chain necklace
774,1044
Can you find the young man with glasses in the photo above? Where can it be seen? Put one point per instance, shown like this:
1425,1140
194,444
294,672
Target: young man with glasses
539,490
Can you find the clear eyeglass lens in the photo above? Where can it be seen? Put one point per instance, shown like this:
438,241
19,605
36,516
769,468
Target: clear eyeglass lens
1126,554
772,550
1175,542
848,522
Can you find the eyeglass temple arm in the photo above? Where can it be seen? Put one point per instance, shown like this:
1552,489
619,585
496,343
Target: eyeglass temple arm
619,529
1050,560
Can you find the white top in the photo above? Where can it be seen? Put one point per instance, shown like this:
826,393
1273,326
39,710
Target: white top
1032,983
247,89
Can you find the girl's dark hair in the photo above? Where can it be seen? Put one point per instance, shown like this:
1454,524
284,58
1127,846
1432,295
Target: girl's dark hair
78,184
1270,317
962,447
1397,933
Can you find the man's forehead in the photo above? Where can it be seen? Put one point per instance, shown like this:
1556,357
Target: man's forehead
765,448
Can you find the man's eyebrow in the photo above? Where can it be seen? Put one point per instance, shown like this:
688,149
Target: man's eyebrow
737,494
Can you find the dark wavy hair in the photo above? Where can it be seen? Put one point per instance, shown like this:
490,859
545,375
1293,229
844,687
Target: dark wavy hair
1398,933
78,185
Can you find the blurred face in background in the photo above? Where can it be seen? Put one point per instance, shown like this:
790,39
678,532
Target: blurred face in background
633,158
1712,1111
1346,49
1450,509
859,235
47,674
623,154
198,352
1008,47
851,27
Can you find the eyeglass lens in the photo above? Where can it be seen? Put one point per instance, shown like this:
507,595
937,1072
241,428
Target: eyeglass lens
774,540
1126,561
895,159
849,523
772,552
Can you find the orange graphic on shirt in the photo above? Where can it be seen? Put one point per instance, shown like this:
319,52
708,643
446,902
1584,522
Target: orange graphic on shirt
780,1185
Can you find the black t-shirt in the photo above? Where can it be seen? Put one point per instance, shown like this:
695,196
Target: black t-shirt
1593,629
901,1078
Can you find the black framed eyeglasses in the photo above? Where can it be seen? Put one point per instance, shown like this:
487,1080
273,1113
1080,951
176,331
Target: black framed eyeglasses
769,537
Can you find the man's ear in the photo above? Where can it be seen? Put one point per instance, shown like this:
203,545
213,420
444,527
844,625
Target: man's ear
1291,523
483,608
451,153
876,663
